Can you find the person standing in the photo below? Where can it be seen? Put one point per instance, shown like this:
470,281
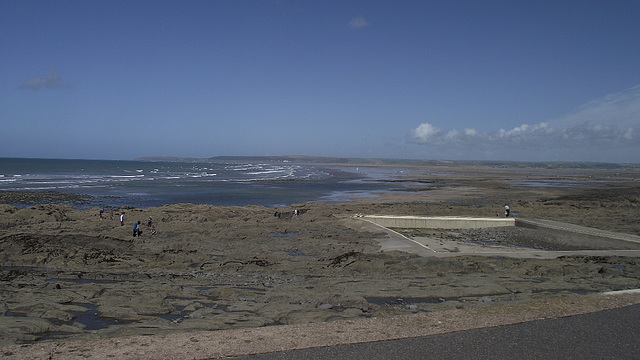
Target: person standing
138,229
122,219
507,210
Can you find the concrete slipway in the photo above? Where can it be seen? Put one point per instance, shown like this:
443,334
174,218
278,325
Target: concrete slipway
603,243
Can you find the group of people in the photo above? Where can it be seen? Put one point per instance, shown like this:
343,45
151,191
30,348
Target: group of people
280,214
137,230
103,216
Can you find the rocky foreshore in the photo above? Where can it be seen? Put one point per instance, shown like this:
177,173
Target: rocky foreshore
72,274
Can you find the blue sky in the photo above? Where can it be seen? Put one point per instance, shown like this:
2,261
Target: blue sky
462,80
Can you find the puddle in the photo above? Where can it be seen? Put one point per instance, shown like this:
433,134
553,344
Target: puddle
175,317
249,289
295,252
409,301
494,243
205,288
581,292
549,183
84,281
282,235
382,300
563,291
92,319
24,269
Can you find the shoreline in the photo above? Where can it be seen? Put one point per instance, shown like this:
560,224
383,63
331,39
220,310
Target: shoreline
411,182
86,198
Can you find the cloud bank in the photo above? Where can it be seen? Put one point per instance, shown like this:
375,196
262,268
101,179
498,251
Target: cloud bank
358,23
598,130
51,81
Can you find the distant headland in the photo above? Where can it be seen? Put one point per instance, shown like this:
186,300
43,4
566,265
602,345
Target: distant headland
345,161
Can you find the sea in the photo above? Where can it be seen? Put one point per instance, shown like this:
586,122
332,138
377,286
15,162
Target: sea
143,184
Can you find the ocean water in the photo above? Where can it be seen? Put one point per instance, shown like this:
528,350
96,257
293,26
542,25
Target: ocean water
145,184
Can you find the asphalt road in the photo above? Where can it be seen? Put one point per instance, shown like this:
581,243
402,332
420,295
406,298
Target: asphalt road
609,334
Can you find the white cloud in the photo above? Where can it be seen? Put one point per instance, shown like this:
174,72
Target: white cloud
602,128
429,134
586,134
526,130
621,109
358,23
629,134
53,80
424,133
470,132
452,135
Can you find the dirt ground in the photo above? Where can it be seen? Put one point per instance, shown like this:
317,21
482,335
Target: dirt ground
69,275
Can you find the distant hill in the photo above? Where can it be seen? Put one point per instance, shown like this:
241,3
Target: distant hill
319,160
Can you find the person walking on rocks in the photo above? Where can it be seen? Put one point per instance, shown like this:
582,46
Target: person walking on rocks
137,231
507,211
122,219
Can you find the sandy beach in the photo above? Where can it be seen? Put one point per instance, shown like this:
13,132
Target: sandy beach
70,276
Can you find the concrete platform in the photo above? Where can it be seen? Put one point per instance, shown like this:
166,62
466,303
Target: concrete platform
609,243
629,239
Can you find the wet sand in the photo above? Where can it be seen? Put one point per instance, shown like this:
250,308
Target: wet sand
68,275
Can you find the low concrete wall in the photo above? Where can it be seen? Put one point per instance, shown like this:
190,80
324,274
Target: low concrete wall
582,237
438,222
